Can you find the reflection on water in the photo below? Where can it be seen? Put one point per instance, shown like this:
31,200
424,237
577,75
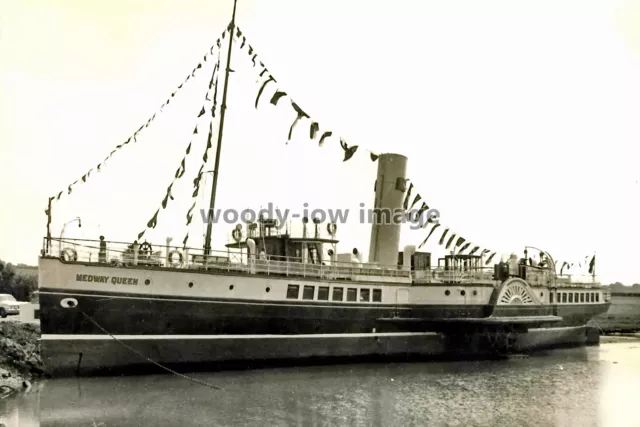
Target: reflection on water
578,387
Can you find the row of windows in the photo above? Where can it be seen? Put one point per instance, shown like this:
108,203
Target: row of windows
576,297
337,294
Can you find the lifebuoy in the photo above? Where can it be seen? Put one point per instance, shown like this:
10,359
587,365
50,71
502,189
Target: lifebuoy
332,228
69,254
172,260
236,234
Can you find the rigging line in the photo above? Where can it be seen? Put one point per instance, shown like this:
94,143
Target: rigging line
182,168
197,181
151,118
264,67
149,359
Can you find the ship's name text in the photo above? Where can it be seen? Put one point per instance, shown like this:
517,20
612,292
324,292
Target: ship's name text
106,279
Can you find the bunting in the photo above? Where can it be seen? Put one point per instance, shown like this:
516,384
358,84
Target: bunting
464,248
348,151
205,156
278,94
453,240
443,236
182,166
405,204
266,78
591,264
300,115
420,211
488,261
133,137
428,235
416,200
453,236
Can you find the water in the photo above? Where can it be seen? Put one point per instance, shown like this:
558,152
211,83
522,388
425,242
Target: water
594,386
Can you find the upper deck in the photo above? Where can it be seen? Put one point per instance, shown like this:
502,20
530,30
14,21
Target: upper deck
237,260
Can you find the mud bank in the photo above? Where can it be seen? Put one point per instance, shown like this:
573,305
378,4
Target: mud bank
618,338
20,361
623,315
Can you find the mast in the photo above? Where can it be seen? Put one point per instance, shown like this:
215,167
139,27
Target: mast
223,109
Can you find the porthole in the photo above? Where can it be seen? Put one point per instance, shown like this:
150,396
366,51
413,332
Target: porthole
147,282
463,293
475,293
541,294
447,292
191,284
268,289
230,287
69,303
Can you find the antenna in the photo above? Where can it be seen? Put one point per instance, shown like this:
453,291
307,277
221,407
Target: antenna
223,109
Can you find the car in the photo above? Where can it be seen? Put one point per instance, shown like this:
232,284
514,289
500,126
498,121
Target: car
9,306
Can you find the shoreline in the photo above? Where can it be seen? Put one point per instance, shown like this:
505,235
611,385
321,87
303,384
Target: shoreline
20,362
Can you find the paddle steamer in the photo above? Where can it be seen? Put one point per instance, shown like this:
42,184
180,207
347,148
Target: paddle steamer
273,294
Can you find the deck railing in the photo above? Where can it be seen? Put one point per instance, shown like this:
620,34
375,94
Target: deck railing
232,260
577,280
238,261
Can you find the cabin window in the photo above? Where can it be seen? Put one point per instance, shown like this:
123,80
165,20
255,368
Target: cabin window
593,297
570,297
581,297
564,297
597,297
551,297
377,295
576,296
351,294
323,293
337,294
292,291
307,292
365,295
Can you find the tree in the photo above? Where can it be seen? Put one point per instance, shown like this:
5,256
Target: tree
20,287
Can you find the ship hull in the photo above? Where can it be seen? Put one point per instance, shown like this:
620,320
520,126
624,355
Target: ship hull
130,314
118,332
110,355
100,318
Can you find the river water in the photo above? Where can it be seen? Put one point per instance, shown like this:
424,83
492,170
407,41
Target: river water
593,386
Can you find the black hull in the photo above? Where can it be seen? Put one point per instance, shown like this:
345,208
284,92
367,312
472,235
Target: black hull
135,315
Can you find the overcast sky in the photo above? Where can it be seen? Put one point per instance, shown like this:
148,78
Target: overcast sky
520,119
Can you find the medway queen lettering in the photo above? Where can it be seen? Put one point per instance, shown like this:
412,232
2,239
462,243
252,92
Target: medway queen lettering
106,279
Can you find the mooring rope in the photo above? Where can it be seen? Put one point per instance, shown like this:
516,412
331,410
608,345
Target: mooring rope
148,359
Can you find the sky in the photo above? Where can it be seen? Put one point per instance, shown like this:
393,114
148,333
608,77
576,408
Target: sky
519,119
